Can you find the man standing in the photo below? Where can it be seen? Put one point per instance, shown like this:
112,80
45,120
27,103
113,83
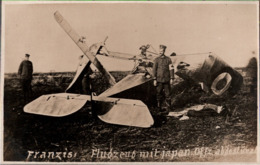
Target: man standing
87,81
25,74
163,74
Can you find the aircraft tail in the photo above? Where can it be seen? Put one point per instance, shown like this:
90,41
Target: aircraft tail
110,110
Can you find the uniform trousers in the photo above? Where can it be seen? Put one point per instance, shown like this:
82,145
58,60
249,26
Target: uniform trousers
163,86
26,87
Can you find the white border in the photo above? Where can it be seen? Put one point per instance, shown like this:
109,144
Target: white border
130,2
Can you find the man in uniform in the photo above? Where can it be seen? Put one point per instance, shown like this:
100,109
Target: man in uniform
163,75
25,74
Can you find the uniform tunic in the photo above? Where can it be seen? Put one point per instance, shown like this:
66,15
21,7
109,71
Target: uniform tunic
162,74
161,70
26,69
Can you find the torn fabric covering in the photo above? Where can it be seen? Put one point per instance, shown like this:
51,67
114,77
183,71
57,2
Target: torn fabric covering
197,108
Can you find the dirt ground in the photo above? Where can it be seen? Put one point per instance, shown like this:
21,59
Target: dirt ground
80,137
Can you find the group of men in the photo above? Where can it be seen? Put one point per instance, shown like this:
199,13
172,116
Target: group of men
163,76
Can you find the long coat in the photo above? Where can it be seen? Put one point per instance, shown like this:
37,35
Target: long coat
25,69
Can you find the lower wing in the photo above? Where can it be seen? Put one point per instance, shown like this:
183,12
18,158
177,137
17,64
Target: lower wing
130,81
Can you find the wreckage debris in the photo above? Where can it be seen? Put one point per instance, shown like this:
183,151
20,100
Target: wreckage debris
198,110
212,72
209,70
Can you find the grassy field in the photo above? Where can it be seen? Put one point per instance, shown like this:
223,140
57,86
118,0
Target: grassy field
231,136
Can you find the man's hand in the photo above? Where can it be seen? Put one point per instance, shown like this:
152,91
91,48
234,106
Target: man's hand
155,83
171,81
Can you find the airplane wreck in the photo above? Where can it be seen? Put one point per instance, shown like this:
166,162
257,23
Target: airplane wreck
116,105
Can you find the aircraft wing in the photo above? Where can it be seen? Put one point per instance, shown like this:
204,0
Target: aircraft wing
130,81
57,105
127,112
84,63
84,48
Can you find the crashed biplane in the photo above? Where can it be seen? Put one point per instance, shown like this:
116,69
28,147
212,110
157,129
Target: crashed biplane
209,70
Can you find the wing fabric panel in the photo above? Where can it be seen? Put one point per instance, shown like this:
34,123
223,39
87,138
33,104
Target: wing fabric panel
117,111
128,112
130,81
57,105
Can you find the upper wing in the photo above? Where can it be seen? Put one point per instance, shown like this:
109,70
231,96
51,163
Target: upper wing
84,48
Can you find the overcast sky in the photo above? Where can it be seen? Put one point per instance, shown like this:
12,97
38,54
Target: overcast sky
227,29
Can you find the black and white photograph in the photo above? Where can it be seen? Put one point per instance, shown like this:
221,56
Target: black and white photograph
91,82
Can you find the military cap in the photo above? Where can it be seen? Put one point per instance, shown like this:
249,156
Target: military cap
163,46
27,55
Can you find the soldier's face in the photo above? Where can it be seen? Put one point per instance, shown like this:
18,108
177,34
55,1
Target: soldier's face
161,51
27,58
